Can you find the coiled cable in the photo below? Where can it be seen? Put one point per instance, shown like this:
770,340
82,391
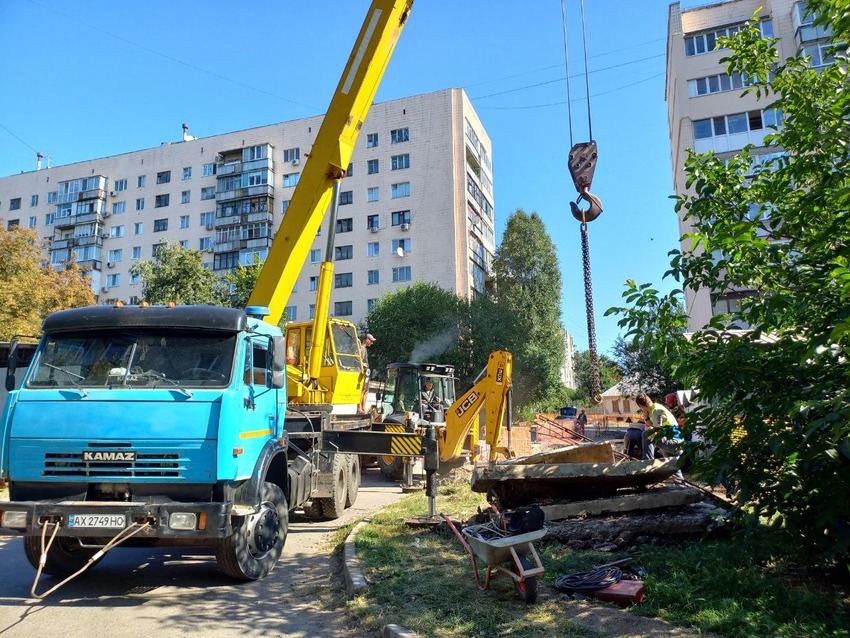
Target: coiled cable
589,581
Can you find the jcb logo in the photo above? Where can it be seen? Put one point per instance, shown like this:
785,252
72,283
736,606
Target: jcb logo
500,375
472,398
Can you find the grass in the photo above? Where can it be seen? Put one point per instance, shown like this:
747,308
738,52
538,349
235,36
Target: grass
728,587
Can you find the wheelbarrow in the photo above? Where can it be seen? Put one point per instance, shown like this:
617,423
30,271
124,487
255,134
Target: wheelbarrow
495,546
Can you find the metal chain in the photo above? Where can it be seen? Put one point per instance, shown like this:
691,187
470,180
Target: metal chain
595,382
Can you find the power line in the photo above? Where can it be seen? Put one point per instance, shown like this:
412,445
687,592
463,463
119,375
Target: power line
561,79
578,99
18,138
177,60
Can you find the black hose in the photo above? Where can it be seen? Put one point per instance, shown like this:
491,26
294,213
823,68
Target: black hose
589,581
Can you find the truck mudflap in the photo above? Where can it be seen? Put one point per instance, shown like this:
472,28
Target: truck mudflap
103,519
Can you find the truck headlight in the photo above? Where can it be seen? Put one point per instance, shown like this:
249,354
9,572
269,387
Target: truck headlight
13,519
183,520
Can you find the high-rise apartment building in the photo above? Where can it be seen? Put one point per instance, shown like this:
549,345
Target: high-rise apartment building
705,109
417,204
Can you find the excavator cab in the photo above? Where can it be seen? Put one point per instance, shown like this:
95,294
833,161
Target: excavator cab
424,389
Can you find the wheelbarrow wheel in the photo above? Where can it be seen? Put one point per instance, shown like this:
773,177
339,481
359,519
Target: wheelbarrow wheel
526,589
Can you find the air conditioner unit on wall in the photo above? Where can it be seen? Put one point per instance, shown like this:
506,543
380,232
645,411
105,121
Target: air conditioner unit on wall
104,289
109,264
374,229
113,194
405,226
296,162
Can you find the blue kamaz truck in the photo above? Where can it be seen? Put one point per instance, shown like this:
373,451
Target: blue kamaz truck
165,421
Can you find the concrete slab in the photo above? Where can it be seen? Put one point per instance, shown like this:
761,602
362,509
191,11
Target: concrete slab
584,453
654,499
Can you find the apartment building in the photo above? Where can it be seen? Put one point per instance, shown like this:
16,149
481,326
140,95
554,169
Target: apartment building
705,109
417,204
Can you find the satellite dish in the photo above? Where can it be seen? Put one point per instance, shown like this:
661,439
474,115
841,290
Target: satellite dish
399,251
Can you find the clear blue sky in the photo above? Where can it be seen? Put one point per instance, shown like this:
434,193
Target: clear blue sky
85,79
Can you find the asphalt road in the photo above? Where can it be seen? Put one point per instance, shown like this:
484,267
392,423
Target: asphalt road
168,592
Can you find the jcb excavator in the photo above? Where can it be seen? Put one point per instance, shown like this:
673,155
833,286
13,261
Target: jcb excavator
420,395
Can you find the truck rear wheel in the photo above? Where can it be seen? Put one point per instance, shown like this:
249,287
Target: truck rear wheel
254,546
391,466
64,557
334,506
353,480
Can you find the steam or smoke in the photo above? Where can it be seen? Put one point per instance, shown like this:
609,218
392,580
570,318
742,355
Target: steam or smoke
436,345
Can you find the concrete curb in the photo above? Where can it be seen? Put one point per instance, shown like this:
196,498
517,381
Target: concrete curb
355,579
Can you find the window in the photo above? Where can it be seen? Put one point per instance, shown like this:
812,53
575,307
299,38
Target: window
140,181
372,167
400,161
33,200
187,172
399,135
208,192
291,154
707,42
113,280
291,179
15,204
371,140
184,243
160,225
163,177
134,280
291,313
13,223
137,252
344,225
119,185
284,205
140,203
184,221
401,217
161,201
116,255
138,228
400,190
208,170
373,249
716,84
116,231
314,284
50,219
255,152
343,280
373,222
311,311
315,255
119,208
370,304
185,197
226,261
33,221
343,252
373,277
373,194
350,170
820,54
342,308
207,219
205,243
404,244
401,274
346,197
737,123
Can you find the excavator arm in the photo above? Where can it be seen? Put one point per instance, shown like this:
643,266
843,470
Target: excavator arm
326,166
491,392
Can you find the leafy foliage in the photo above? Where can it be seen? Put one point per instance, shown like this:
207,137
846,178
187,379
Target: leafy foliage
779,417
177,274
241,282
30,290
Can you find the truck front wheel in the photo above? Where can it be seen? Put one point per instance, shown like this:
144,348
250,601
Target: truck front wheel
64,557
254,546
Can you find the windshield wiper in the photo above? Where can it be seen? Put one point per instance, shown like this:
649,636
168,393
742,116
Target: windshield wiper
162,377
76,381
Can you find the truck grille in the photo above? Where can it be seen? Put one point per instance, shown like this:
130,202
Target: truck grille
164,464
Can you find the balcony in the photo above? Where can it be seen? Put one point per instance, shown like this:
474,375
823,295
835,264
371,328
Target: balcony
260,190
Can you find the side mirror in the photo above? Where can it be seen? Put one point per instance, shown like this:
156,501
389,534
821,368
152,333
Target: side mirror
278,376
12,365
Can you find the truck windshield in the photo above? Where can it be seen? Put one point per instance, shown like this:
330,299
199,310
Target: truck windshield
151,359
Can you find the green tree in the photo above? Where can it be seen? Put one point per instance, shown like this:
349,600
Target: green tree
241,282
177,274
609,374
779,397
528,284
30,290
418,323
